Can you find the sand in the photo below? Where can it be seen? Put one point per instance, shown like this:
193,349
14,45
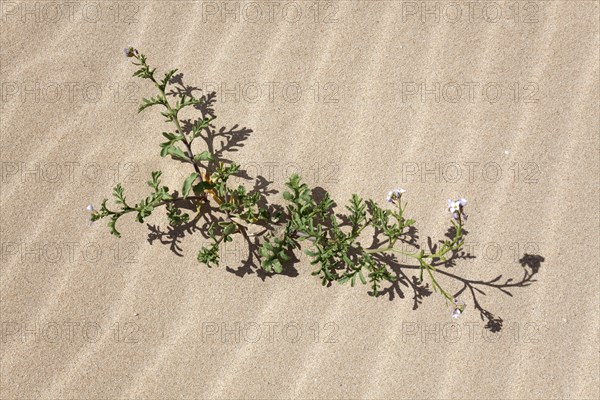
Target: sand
497,103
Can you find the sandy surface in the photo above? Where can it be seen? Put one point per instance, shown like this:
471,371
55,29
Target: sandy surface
497,103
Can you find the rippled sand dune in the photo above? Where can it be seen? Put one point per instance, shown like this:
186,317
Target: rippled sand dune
497,102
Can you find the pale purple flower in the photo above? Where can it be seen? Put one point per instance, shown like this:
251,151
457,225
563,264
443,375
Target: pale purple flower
459,308
395,194
130,51
453,206
455,313
456,208
90,209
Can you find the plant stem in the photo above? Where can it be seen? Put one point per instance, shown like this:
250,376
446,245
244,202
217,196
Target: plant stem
434,282
184,138
161,203
181,132
363,227
391,249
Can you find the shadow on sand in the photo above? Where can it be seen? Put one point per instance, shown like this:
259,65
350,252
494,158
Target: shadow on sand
221,141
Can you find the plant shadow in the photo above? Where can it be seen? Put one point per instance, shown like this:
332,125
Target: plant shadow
221,141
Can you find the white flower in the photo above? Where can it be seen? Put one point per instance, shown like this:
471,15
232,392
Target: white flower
456,208
456,313
395,194
453,206
90,209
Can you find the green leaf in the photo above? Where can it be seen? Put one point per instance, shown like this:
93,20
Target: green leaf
164,151
277,267
167,78
152,101
177,153
155,180
112,225
176,217
204,156
266,264
347,260
209,255
201,124
229,229
362,277
283,256
187,185
118,193
169,114
199,188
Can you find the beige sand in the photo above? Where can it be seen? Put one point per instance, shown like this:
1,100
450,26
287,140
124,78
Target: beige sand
335,92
